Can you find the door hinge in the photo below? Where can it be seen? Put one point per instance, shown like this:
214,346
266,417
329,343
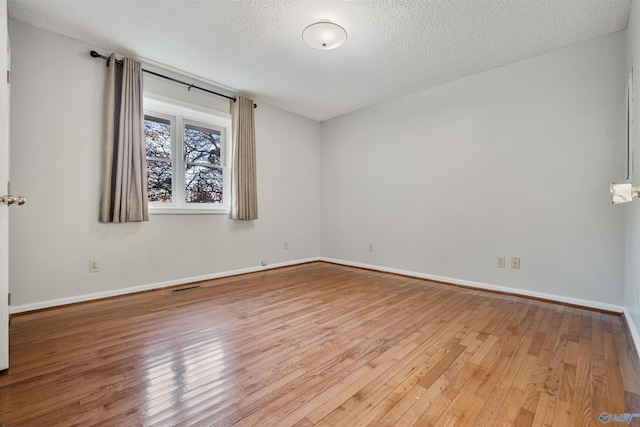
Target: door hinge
8,76
9,299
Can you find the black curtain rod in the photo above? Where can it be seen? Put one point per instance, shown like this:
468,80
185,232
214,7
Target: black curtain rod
95,54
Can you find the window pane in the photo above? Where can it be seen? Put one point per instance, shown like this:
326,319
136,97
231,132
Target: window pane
157,134
203,184
159,177
201,145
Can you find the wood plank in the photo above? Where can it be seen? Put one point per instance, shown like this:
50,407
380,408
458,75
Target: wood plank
318,344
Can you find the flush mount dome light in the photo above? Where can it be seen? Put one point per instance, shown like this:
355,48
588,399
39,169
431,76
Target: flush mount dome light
324,35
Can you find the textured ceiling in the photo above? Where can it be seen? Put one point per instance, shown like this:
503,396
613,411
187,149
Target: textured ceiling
394,48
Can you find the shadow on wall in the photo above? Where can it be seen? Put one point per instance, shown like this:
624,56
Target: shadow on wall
238,226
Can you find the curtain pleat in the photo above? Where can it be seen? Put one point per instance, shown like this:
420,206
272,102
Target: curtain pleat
124,180
244,185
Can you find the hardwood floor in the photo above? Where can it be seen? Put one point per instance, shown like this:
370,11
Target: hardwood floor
318,344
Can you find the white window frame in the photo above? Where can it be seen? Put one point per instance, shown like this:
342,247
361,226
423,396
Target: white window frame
180,113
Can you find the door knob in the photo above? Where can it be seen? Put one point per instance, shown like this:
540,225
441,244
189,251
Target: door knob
9,200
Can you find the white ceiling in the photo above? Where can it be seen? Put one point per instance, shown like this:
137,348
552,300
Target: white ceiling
395,47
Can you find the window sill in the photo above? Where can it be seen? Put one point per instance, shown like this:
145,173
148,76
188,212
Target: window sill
153,210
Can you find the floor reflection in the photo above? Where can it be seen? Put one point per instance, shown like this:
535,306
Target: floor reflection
190,375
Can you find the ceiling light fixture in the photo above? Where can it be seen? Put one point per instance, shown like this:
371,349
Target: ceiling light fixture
324,35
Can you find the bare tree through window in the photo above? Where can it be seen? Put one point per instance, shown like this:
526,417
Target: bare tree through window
202,157
202,151
158,141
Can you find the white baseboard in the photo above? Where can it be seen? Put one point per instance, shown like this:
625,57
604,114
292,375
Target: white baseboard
486,286
116,292
151,286
634,331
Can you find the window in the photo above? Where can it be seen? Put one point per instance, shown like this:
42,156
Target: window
188,158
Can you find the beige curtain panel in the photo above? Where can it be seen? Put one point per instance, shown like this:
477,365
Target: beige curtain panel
124,179
244,186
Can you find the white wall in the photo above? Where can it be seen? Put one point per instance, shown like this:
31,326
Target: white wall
632,279
56,127
512,162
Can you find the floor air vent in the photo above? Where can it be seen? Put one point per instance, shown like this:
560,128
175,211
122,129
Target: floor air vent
173,291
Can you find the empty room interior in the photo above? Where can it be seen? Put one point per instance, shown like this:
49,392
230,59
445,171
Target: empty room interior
323,213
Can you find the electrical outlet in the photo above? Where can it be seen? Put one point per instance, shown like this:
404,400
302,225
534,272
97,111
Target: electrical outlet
501,261
370,247
286,245
264,262
94,266
515,262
